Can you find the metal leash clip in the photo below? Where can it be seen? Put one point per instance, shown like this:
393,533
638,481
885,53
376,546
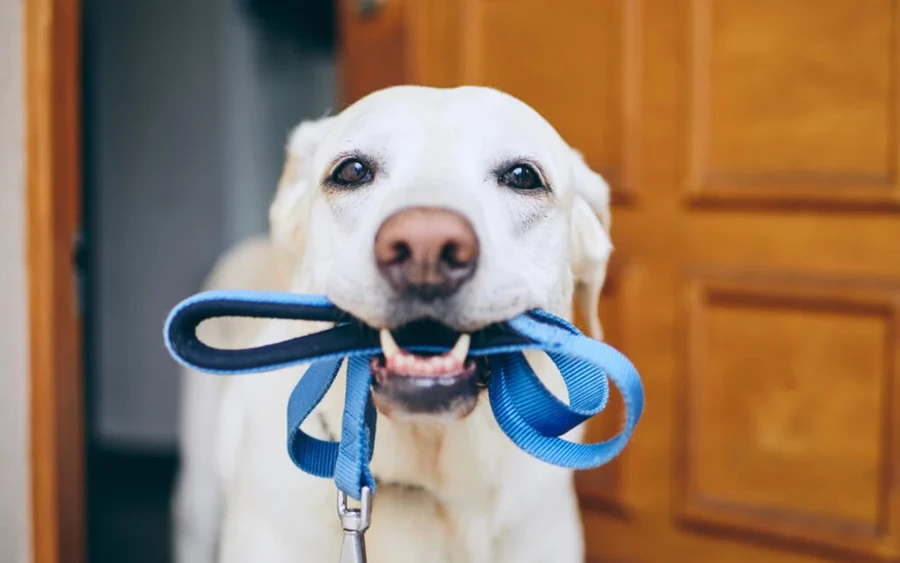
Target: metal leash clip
355,522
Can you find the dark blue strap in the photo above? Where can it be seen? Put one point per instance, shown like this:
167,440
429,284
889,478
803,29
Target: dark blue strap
529,414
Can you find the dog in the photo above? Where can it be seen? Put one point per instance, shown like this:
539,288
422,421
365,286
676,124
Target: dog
460,206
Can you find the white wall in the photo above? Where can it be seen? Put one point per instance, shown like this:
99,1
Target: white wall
14,521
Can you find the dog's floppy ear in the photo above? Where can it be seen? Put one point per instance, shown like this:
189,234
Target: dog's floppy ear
591,244
289,211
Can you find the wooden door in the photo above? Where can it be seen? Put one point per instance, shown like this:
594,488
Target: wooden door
752,148
52,68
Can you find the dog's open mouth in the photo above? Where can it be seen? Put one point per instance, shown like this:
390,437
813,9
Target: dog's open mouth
420,383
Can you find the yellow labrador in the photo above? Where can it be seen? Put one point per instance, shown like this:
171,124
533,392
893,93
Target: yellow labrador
462,206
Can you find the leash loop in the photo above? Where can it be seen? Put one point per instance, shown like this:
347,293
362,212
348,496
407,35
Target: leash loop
525,410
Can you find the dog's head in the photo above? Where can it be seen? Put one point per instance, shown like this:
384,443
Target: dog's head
439,210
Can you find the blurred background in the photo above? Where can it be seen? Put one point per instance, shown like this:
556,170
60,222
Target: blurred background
752,150
187,106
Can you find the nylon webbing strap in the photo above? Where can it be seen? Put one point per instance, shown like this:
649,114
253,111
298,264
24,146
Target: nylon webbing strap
531,416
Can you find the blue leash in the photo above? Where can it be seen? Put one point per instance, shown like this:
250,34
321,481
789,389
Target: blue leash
525,410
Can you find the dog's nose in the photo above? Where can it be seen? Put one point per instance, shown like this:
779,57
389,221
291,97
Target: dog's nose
426,252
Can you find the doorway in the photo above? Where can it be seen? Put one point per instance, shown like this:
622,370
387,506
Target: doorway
186,109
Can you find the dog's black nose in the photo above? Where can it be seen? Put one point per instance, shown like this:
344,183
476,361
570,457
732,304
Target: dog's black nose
426,253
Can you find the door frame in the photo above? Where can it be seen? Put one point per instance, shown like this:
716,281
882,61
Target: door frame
52,66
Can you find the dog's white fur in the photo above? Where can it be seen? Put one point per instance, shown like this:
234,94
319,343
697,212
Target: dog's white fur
455,491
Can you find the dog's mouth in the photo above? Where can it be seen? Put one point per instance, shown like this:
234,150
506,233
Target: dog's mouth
410,383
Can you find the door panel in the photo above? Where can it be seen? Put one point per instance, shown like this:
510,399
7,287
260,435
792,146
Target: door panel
793,101
752,148
505,50
372,47
786,435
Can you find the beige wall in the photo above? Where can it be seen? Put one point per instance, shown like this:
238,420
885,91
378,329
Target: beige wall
14,537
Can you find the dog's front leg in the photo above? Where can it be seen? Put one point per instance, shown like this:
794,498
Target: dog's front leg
274,513
258,528
546,530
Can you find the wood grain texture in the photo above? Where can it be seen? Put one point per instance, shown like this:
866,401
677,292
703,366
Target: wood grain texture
607,488
759,144
603,86
783,113
372,48
52,42
751,458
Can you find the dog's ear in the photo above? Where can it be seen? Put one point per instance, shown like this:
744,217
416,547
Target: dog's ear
591,244
289,211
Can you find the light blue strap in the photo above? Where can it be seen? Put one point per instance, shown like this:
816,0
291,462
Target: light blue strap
346,461
317,457
539,407
512,411
525,410
352,472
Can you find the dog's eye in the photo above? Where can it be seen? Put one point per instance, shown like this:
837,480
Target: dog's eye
522,177
351,172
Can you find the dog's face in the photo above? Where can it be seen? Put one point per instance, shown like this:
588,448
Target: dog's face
439,210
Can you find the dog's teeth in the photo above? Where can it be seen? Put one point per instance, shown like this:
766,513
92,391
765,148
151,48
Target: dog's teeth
388,345
461,349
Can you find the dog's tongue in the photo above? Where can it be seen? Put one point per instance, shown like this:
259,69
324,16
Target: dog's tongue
405,363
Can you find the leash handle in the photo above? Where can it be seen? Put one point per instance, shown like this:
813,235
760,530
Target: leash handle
346,338
529,414
180,331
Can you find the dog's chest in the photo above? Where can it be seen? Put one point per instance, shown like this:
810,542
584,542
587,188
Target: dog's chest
408,525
